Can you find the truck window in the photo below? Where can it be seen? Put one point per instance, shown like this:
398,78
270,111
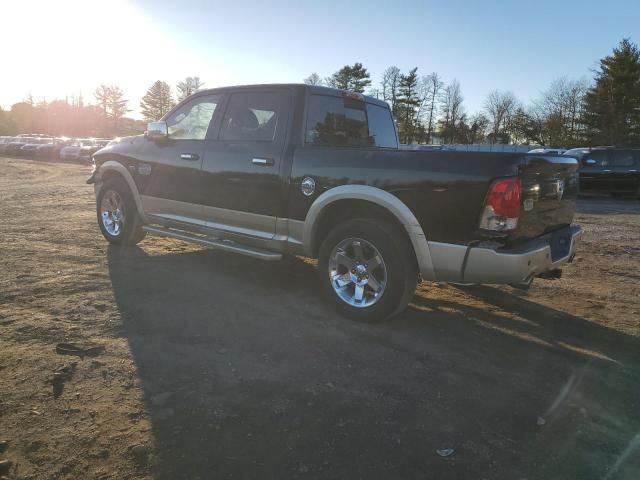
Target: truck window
381,126
622,158
601,157
337,121
252,117
191,121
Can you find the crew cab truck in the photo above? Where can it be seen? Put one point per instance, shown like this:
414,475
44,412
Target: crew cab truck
271,170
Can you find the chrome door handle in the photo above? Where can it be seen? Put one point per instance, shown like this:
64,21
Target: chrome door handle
262,161
189,156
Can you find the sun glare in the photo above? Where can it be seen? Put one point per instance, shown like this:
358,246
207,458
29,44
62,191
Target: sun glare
73,46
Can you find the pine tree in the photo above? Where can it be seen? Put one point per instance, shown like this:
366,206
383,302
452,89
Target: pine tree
350,77
157,101
407,102
612,105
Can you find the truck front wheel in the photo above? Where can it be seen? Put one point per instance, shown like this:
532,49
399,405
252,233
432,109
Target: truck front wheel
118,217
367,269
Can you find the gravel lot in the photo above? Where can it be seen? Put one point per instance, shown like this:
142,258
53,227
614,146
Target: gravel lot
220,366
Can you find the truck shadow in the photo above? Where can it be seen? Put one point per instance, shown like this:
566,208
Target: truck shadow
248,374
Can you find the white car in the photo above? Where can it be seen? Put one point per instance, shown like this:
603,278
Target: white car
76,150
548,151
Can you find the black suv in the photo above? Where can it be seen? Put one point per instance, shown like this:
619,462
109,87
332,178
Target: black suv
608,170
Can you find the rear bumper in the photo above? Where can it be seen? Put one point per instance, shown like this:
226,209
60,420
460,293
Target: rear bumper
462,264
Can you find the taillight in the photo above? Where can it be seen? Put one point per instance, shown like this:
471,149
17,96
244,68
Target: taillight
502,205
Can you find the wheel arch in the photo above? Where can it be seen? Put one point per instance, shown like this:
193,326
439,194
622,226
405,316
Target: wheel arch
379,203
112,169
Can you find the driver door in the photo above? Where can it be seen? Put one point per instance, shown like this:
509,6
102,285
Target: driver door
174,187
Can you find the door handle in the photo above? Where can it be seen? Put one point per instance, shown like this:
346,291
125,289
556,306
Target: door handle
189,156
263,161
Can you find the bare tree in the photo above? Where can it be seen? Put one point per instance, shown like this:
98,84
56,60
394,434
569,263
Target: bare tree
188,87
390,84
431,87
478,125
313,79
499,108
451,109
559,111
111,100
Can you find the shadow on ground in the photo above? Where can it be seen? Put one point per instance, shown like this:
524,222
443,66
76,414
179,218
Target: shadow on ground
248,374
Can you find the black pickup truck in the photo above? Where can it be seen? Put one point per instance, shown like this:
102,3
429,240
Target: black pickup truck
608,170
270,170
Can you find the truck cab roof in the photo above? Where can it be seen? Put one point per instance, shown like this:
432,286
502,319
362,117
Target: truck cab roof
312,89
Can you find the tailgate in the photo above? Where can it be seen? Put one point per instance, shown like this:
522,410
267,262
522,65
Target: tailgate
549,191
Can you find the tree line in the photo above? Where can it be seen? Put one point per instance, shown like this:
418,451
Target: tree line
106,117
570,112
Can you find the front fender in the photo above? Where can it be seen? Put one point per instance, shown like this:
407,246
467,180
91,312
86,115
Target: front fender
111,166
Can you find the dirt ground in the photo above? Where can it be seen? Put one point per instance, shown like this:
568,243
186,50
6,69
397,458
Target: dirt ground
220,366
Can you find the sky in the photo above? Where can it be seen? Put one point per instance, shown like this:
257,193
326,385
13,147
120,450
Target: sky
58,49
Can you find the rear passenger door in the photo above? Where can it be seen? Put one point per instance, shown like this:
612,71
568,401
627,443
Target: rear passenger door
623,172
242,167
595,173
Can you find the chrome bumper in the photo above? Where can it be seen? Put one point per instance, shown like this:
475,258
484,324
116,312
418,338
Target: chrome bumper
462,264
519,265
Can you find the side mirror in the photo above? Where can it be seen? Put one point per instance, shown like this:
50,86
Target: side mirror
157,130
590,161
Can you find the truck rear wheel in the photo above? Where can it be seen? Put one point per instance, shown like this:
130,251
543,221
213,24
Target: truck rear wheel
367,269
117,214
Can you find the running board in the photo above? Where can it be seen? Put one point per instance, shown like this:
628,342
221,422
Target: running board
225,245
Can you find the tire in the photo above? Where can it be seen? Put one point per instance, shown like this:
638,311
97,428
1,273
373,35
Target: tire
385,265
117,214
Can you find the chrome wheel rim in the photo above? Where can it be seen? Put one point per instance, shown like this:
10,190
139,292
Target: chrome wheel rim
112,213
357,272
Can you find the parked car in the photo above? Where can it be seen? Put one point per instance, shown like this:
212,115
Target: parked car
549,151
609,170
4,141
97,144
30,149
77,150
14,146
271,170
52,148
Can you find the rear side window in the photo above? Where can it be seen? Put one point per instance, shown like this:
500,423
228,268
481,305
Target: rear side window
337,121
381,126
601,157
622,158
252,116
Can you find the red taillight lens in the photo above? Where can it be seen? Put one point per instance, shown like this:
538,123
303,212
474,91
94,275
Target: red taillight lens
502,205
504,196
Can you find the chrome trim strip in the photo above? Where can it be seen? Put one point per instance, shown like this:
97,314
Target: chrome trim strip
236,221
215,244
172,209
379,197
